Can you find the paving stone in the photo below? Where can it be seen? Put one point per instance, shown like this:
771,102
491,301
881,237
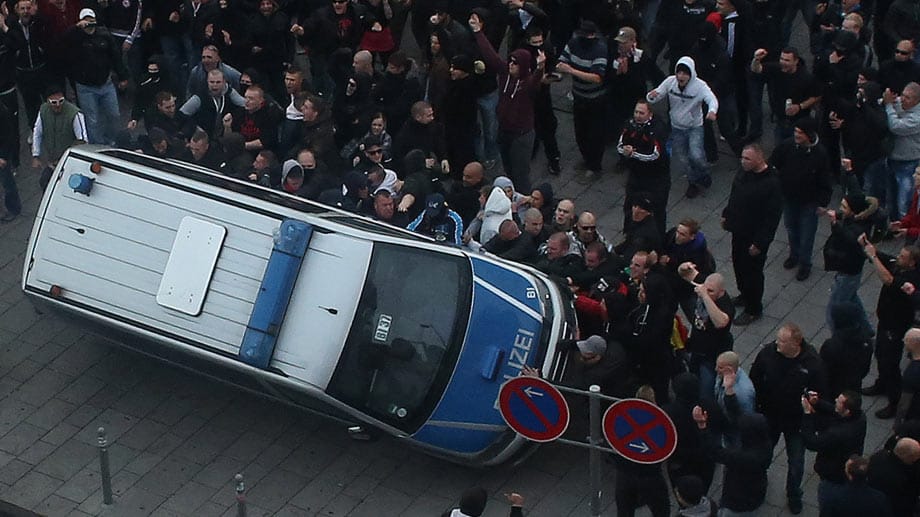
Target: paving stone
293,511
190,496
168,476
383,501
139,501
81,485
13,471
219,472
55,505
80,356
114,422
143,463
316,495
12,413
51,413
18,318
37,452
20,438
24,370
31,489
342,505
143,434
427,505
68,459
165,444
275,490
83,415
81,390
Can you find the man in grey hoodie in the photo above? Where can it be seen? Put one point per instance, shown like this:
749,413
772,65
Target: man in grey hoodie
686,94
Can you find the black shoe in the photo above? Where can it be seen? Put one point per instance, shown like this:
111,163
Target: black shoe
795,506
746,318
554,167
790,262
738,301
872,391
692,191
803,274
8,218
886,412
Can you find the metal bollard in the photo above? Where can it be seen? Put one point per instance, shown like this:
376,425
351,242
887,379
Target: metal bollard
240,496
103,445
594,455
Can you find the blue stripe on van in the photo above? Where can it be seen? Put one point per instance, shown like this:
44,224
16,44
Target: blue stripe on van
275,293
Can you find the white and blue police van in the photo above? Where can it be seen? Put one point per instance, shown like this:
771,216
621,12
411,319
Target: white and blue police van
335,313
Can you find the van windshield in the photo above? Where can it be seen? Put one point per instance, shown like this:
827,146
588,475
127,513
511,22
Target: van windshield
406,336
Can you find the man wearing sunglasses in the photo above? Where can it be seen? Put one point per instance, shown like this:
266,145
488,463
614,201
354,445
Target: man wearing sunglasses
901,69
59,125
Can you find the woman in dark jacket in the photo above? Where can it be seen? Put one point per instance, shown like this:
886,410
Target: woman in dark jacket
744,485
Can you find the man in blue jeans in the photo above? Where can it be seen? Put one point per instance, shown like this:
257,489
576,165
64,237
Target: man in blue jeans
782,372
94,56
686,94
904,123
805,177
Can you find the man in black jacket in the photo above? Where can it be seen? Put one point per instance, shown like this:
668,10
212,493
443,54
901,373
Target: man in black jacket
835,434
752,215
895,315
805,177
93,58
642,148
894,473
843,254
856,497
782,371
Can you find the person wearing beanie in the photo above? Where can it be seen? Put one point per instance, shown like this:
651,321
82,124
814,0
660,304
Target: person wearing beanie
459,113
686,94
805,178
585,59
473,503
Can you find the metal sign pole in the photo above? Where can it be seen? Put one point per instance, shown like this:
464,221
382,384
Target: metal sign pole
594,455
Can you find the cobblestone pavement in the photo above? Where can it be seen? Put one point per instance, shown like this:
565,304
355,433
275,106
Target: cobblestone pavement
178,439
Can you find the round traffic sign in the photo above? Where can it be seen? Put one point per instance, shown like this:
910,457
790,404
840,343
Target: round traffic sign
534,408
640,431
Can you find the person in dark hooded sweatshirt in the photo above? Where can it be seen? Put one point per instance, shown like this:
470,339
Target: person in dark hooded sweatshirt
844,255
863,126
689,459
744,482
649,342
839,71
518,91
459,114
356,197
352,108
317,132
847,354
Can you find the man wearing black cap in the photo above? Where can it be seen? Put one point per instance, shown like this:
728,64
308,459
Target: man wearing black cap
805,178
438,221
641,232
585,59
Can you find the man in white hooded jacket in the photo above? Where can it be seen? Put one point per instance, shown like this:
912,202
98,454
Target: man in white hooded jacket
686,94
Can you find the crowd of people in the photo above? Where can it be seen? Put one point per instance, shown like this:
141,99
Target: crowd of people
317,99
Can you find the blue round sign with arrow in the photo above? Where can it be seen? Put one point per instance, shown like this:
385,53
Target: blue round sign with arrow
640,431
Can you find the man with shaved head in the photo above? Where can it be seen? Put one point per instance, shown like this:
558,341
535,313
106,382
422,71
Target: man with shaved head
511,243
585,232
712,323
893,472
